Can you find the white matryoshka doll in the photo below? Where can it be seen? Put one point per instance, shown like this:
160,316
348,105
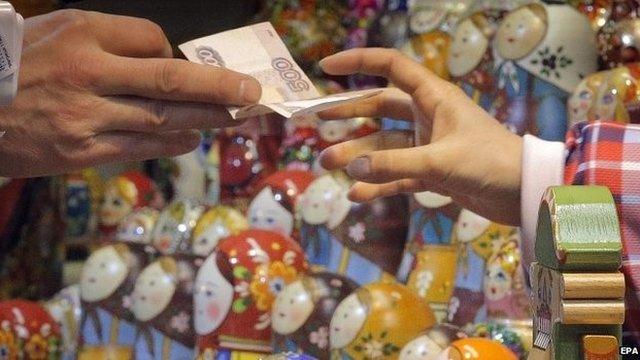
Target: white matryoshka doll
431,343
275,206
543,51
477,239
235,289
162,304
107,278
302,313
429,260
470,61
215,224
174,226
505,295
376,321
362,241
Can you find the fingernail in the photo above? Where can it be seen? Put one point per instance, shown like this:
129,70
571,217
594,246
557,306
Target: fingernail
359,167
322,62
250,91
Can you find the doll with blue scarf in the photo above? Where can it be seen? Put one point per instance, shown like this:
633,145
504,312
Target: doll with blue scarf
542,51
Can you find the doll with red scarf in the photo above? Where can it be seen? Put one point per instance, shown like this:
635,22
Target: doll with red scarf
235,289
27,331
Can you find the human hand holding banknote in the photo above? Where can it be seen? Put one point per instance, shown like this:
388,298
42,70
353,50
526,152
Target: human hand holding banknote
258,51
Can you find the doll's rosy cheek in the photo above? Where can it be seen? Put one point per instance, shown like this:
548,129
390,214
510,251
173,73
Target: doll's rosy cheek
213,311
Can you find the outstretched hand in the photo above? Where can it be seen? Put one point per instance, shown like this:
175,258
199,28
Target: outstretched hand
457,149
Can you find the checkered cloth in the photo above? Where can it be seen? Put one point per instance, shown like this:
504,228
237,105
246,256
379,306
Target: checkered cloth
608,154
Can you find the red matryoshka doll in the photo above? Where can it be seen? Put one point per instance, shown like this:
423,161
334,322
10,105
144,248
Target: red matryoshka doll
597,11
429,259
476,349
376,321
470,59
174,226
361,241
505,295
302,313
619,37
162,304
236,287
431,343
27,331
477,240
247,155
618,97
299,147
275,206
429,44
543,51
215,224
123,194
107,278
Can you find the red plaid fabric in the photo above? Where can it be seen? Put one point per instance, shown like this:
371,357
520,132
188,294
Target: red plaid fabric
608,154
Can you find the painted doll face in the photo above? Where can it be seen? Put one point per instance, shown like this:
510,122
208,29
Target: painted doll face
318,198
102,274
497,282
347,321
604,108
212,296
114,207
153,291
519,33
266,213
470,226
467,49
137,226
425,20
580,102
432,200
292,308
205,242
334,131
420,348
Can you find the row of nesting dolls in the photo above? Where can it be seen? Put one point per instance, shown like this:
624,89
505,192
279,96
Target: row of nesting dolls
522,65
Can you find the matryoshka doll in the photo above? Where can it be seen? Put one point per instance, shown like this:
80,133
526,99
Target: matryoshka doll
332,132
299,147
248,154
106,280
431,343
215,224
505,295
66,309
174,226
275,206
618,97
162,304
581,102
27,331
391,28
376,321
135,231
302,313
476,349
477,238
123,194
429,45
470,59
77,205
543,51
235,288
362,241
429,260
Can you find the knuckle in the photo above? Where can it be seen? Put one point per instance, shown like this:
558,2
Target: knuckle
157,115
168,78
156,39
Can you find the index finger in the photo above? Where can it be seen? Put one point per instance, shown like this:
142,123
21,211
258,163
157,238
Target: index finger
408,75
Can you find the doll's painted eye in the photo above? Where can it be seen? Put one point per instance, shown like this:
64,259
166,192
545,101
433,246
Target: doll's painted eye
204,241
254,219
464,39
270,220
152,283
501,276
209,293
520,27
608,99
117,202
584,95
103,265
291,301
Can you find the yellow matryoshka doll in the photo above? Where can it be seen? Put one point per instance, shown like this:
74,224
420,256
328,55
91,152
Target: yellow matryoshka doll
376,321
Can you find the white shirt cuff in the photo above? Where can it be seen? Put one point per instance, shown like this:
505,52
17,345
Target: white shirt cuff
543,165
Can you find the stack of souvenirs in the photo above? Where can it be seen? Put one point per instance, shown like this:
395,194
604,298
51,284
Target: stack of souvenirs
260,251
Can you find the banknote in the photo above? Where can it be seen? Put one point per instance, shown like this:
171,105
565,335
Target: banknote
257,50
